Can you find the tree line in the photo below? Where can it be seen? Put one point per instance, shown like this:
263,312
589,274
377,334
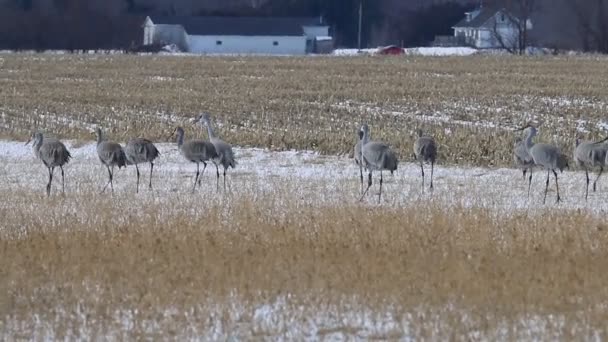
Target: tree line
116,24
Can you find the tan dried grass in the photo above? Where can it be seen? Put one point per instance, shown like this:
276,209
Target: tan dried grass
94,255
309,103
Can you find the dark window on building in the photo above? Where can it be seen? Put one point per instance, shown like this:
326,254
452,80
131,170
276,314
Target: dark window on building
218,42
275,43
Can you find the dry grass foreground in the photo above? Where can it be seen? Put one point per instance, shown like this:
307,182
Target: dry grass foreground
310,103
69,264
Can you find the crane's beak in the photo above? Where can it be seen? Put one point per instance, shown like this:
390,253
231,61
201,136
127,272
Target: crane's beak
28,141
601,141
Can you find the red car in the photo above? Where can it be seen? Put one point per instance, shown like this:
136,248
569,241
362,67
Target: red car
390,50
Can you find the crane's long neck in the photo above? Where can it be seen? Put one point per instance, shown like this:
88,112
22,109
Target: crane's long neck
359,135
365,138
210,129
99,137
180,138
37,142
528,140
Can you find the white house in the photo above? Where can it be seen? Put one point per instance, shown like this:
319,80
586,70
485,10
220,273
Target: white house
238,35
486,28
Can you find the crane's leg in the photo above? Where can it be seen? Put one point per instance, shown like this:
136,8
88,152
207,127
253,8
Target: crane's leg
196,178
202,173
598,177
217,179
529,183
62,180
524,172
546,186
369,184
432,170
48,186
587,187
422,170
380,193
225,179
361,175
109,179
137,187
112,179
151,168
557,187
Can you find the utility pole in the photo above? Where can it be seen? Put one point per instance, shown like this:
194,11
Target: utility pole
360,20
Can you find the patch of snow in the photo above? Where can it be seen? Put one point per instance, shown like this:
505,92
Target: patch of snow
441,51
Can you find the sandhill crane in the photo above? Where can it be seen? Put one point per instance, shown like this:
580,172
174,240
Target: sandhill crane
53,153
138,151
425,150
225,156
196,151
589,155
357,153
544,155
375,156
523,160
110,154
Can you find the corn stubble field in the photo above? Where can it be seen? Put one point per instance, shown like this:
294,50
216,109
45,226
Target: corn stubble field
287,251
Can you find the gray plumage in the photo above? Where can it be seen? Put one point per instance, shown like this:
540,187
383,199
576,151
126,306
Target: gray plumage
589,155
357,154
139,150
523,160
225,155
376,156
545,156
52,153
196,151
425,150
110,154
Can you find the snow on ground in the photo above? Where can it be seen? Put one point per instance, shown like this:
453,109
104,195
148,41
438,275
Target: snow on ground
282,319
316,179
441,51
419,51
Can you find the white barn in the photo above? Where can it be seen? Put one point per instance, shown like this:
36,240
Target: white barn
485,28
238,35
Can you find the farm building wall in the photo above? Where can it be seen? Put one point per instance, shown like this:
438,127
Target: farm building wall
316,31
273,45
171,34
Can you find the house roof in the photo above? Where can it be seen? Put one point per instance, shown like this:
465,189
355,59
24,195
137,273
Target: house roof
484,15
240,26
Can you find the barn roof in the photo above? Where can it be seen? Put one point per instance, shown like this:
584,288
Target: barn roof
240,26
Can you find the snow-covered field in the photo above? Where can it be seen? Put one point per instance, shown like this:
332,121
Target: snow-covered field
319,179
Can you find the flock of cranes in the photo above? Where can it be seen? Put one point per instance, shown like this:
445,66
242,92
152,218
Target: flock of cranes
53,153
369,155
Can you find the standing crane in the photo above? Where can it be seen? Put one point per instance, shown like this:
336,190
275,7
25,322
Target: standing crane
196,151
523,160
589,155
545,156
376,156
52,153
425,150
138,151
110,154
225,155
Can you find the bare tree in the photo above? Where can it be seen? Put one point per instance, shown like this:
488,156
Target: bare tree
517,15
591,20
